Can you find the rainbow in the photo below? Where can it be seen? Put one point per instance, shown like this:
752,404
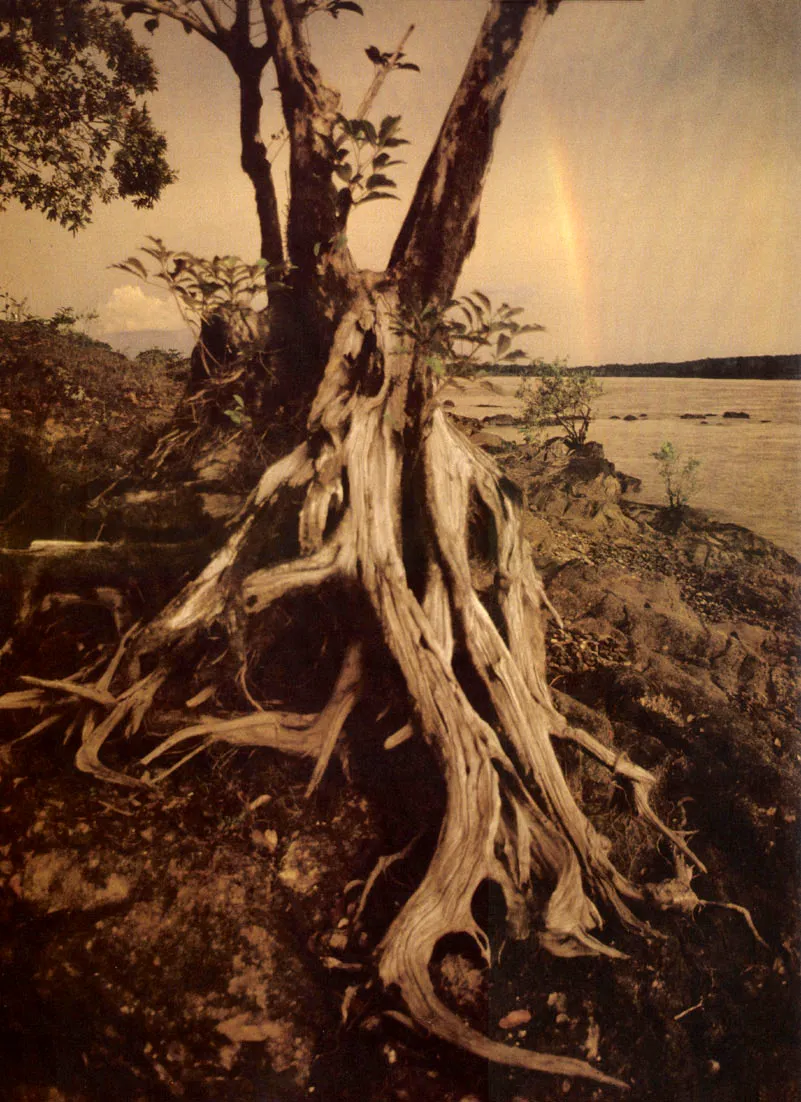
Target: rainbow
575,246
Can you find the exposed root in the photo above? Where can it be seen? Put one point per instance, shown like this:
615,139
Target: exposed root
284,731
332,719
474,675
381,867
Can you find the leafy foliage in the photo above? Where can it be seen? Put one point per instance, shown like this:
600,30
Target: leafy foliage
562,398
390,59
224,286
361,155
679,475
468,336
73,127
332,7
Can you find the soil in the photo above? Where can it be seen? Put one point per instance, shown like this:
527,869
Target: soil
205,942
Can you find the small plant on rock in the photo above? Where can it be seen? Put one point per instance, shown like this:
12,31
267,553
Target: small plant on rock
562,398
679,475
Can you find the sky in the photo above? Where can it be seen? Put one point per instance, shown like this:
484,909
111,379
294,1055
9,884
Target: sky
643,202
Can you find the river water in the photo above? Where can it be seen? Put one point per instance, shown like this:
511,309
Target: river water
750,470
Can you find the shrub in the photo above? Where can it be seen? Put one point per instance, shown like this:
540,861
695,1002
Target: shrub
679,475
563,398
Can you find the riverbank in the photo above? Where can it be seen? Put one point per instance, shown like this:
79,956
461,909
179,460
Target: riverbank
750,471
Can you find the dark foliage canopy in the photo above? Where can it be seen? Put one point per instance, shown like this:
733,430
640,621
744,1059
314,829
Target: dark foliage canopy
74,125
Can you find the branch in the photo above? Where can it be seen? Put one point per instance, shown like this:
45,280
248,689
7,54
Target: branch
214,34
440,228
381,75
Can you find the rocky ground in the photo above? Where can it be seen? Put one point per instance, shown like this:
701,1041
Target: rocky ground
206,942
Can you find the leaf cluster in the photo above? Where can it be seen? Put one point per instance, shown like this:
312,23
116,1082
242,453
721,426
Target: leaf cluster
74,127
360,153
390,60
562,397
467,335
331,7
225,285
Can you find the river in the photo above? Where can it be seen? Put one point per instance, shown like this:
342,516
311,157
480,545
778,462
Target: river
750,470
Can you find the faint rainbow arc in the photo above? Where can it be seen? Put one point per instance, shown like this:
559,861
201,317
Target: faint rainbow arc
575,248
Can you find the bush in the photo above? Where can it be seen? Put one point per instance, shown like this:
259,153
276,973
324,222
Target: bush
563,398
680,476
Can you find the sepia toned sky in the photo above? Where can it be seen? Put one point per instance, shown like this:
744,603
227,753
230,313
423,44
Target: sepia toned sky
643,202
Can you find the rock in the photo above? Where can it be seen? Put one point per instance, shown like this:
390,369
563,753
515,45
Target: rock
629,484
463,981
507,419
515,1018
490,440
302,865
692,416
630,417
737,413
63,881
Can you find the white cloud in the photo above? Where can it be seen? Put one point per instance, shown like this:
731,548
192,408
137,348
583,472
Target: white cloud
129,309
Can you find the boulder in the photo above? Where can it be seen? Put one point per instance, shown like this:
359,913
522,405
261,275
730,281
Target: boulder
491,441
741,414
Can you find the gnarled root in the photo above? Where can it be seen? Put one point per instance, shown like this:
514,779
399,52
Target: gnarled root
474,672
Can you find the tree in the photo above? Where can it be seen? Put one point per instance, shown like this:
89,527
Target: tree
562,397
376,504
74,127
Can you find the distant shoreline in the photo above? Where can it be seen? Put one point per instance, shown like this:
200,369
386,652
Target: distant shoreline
723,367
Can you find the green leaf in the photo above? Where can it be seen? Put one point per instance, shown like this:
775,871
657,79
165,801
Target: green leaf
409,65
377,180
344,172
375,195
134,266
389,125
393,143
349,5
504,341
369,132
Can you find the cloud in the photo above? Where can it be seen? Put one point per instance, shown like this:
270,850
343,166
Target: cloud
129,309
